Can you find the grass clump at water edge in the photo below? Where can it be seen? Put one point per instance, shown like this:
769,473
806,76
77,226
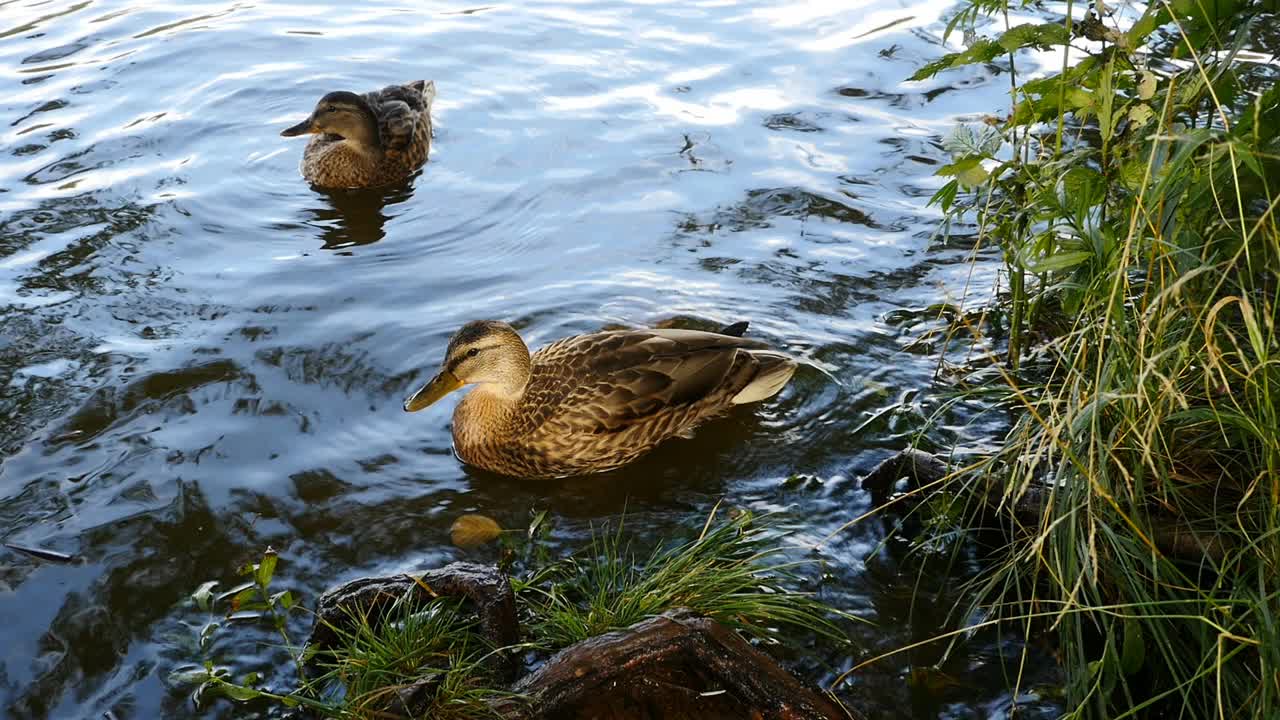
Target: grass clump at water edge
1132,195
732,572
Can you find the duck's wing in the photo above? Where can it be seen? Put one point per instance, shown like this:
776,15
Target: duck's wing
404,115
607,382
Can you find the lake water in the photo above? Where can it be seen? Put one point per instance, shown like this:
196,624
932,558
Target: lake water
201,356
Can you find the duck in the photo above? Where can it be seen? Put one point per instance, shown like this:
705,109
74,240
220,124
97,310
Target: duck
367,140
596,402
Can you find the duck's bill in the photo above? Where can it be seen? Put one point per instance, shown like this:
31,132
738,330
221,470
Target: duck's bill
302,128
440,385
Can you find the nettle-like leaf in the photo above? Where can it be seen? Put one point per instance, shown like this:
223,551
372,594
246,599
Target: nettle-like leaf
963,141
967,170
982,51
1043,36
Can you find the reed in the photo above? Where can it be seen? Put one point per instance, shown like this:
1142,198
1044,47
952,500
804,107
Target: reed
1133,194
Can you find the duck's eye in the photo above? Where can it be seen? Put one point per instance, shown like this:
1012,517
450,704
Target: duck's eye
473,352
331,109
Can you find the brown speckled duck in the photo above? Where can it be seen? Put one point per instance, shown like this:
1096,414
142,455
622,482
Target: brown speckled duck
594,402
367,140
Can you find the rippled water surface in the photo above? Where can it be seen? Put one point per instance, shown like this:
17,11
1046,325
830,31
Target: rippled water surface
202,356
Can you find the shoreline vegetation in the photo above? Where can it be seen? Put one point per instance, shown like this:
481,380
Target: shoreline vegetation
1133,195
1135,501
605,632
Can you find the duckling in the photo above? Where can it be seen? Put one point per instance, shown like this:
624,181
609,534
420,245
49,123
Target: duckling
367,140
591,403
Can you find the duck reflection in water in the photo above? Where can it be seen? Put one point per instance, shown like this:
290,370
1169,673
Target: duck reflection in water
347,218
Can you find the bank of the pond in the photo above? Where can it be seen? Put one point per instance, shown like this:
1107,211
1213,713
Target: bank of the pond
608,632
1133,195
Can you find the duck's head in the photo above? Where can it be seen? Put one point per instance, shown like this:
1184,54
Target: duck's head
341,113
484,352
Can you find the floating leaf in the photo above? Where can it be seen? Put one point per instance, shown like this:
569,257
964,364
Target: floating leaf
473,530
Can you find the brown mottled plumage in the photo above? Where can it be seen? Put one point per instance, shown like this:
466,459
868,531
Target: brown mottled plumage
594,402
367,140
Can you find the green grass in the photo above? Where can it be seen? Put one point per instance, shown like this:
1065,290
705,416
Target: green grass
734,572
1135,211
431,642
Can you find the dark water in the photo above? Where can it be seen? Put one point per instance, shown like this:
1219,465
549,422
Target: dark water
202,356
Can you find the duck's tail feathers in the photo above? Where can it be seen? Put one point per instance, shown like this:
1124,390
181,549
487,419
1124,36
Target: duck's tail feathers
428,89
773,371
737,329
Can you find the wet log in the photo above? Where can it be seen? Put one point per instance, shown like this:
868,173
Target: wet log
487,589
676,666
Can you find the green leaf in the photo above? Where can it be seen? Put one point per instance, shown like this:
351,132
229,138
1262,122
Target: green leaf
964,141
534,526
1147,85
1082,187
1081,100
206,633
1140,114
235,591
1134,651
982,51
266,568
188,676
1042,36
238,693
284,599
204,595
946,195
973,177
959,167
1059,261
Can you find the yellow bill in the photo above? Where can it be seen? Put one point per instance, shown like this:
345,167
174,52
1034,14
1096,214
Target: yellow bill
440,385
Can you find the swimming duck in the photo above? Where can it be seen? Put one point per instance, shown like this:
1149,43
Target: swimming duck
595,402
367,140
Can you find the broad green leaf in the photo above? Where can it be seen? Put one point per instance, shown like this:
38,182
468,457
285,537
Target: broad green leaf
1081,100
238,693
1043,36
959,167
1140,114
1059,261
1147,85
266,568
981,51
188,676
1082,187
973,176
1134,651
